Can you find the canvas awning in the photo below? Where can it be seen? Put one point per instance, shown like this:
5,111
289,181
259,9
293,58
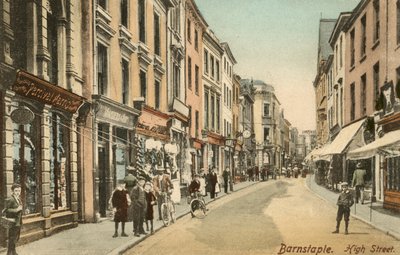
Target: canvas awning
389,144
317,154
343,139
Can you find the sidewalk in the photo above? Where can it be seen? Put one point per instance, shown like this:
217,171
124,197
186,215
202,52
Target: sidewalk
96,238
374,215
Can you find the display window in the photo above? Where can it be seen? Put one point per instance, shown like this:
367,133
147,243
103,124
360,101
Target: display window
26,163
59,163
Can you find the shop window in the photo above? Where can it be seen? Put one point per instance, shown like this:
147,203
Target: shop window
120,153
393,174
59,163
26,164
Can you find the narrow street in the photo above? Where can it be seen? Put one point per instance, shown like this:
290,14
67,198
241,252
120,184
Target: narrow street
264,219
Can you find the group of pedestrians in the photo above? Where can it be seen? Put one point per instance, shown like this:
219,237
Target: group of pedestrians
137,202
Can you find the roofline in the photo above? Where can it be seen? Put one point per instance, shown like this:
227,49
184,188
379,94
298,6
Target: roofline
198,12
356,13
214,43
225,45
338,27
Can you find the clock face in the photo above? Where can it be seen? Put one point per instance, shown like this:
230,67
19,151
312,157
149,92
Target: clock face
246,134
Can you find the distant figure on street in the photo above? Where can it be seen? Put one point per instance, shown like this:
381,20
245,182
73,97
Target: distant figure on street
203,185
130,182
359,182
195,185
225,175
139,204
150,202
250,173
213,180
344,202
13,209
120,202
257,174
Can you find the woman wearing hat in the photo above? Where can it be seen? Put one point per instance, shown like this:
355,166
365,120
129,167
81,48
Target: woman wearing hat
120,202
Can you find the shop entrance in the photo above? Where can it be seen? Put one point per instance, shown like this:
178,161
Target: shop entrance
102,168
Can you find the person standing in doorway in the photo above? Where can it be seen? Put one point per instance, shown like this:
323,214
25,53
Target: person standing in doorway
359,182
344,202
225,175
213,180
13,209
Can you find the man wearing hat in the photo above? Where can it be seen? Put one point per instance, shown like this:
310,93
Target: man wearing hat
161,183
138,202
345,201
359,182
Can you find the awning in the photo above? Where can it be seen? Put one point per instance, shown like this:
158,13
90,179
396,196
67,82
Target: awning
343,139
316,154
389,145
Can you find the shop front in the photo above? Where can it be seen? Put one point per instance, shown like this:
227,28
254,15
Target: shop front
40,153
113,142
215,154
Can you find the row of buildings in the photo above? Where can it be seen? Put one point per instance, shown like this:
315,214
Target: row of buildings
357,90
92,90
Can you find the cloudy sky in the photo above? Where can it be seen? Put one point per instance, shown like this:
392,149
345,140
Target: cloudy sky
276,41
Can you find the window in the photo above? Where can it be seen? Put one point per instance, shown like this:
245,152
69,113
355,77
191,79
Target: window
157,94
177,82
397,80
206,61
266,109
341,106
196,40
59,163
189,31
353,102
189,69
103,4
157,50
376,82
125,81
52,43
124,13
212,65
364,95
197,123
225,93
398,21
218,113
217,69
393,174
376,20
230,98
206,113
26,163
341,51
142,21
212,111
224,131
102,69
336,58
143,84
266,134
352,49
363,35
196,78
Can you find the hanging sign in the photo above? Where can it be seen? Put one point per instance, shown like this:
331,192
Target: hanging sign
22,116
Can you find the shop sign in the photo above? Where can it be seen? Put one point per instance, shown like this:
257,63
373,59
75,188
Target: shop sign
22,115
115,116
156,129
32,87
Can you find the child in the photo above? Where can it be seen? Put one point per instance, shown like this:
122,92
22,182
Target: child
120,201
344,202
151,200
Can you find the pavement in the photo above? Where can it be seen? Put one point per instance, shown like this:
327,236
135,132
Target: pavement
374,214
96,238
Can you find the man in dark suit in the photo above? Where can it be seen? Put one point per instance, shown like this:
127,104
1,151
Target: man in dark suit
13,209
213,179
139,202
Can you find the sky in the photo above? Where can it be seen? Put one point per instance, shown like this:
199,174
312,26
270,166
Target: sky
276,41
